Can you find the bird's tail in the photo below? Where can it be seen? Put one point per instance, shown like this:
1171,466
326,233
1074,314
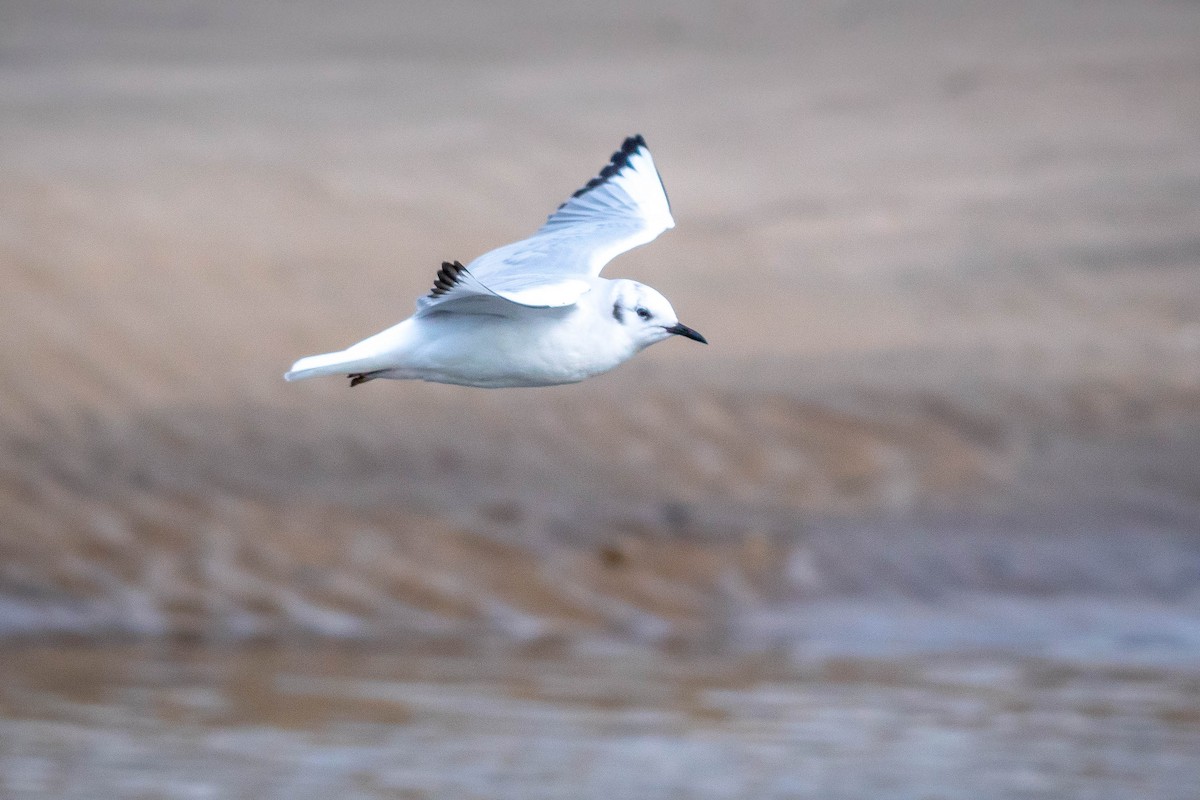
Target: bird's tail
381,352
339,363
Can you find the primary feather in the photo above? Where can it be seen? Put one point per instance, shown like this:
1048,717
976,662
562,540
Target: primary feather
621,208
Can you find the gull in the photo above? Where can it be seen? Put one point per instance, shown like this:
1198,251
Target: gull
535,312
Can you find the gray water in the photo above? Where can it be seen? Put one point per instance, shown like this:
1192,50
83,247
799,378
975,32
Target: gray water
592,721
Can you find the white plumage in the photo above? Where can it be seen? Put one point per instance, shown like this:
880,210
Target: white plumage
535,312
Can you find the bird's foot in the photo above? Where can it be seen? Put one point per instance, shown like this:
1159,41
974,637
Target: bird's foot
362,377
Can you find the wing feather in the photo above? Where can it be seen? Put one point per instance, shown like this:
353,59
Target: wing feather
623,207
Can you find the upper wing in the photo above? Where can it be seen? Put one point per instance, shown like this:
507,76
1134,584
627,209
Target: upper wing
622,207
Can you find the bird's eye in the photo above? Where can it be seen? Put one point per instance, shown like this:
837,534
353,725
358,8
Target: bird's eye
643,313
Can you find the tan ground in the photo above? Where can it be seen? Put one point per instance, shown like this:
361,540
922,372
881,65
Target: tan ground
946,255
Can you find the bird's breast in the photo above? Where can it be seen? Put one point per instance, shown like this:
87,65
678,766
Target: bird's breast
542,348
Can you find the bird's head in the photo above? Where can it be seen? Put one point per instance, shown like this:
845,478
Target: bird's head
646,314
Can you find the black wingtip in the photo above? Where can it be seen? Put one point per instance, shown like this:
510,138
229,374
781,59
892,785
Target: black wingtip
617,163
446,278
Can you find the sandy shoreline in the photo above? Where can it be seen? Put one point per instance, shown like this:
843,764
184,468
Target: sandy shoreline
946,261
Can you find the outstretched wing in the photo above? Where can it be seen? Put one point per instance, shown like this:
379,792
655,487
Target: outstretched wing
622,207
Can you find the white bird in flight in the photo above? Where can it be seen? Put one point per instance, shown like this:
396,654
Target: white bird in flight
535,312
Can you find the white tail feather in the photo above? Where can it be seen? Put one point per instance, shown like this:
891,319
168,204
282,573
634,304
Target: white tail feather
339,363
378,352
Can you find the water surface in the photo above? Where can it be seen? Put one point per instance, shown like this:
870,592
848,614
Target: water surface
601,722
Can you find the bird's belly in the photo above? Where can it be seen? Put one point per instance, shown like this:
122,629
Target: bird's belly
496,352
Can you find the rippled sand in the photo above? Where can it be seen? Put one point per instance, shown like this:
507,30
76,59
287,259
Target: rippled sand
946,262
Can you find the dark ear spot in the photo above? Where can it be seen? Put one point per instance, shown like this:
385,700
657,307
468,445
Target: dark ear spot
618,312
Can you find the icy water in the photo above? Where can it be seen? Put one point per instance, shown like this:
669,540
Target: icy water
593,722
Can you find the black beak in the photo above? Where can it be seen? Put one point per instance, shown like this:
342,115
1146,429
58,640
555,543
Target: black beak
683,330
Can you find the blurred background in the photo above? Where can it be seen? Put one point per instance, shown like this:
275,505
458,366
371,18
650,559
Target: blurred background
922,521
